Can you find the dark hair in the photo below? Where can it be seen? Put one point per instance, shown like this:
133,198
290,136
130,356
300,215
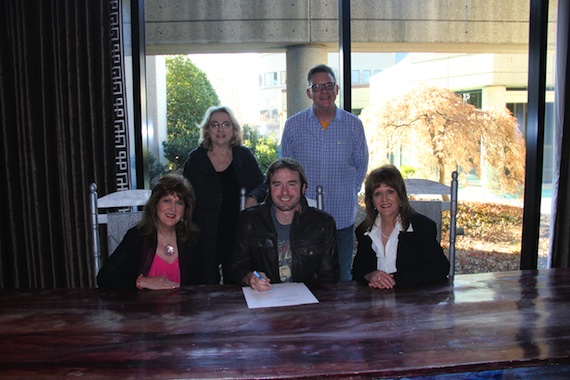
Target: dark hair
285,163
205,140
320,69
390,176
170,184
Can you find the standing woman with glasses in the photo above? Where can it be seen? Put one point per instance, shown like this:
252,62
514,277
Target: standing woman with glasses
331,146
218,169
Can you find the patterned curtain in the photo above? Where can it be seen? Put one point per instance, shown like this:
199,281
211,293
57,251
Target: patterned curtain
61,102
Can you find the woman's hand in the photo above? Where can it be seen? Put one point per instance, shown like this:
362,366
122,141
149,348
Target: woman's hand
156,283
380,280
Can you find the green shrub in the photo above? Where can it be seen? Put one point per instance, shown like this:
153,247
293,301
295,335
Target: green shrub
485,218
407,171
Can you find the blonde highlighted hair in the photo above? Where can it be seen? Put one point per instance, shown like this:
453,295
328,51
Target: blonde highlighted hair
205,140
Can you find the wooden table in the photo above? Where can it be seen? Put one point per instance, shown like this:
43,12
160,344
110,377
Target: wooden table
483,322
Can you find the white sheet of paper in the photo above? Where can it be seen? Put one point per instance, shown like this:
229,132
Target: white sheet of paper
284,294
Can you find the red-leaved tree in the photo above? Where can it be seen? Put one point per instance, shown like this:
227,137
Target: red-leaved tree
437,132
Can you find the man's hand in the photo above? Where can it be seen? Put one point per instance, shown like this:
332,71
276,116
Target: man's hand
260,284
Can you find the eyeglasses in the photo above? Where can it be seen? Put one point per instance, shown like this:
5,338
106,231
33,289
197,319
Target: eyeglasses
318,87
215,124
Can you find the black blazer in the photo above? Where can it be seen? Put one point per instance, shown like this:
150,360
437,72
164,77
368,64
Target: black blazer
132,258
420,258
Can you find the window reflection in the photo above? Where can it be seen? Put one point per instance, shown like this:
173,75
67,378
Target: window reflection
484,77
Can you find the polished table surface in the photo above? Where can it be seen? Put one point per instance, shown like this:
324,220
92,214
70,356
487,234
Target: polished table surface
475,323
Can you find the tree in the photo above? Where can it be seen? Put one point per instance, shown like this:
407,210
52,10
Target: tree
443,133
188,95
264,148
504,150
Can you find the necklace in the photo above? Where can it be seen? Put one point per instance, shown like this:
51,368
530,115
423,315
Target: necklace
220,160
384,236
168,248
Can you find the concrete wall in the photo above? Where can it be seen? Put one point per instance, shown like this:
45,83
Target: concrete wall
208,26
307,29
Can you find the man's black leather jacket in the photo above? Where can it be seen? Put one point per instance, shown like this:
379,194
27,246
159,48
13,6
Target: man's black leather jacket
312,239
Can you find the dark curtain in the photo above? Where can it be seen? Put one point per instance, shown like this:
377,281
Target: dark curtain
560,251
56,99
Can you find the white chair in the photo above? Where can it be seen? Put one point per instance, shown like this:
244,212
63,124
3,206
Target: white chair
120,213
319,202
242,198
433,208
320,198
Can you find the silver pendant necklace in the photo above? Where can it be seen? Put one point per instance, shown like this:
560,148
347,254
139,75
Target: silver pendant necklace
168,248
382,233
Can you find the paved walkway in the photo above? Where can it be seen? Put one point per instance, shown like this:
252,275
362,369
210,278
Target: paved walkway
474,193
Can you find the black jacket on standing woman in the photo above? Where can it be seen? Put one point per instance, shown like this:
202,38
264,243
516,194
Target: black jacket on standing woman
208,189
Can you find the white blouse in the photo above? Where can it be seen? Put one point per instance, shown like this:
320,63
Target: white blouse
386,255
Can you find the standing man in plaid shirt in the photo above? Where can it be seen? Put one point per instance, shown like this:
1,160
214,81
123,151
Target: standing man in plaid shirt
331,146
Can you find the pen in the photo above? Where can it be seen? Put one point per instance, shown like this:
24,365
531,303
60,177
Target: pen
258,275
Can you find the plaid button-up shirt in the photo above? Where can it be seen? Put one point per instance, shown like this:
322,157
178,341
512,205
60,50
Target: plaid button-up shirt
335,158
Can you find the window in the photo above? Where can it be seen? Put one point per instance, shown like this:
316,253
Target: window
473,98
366,76
433,72
355,76
270,79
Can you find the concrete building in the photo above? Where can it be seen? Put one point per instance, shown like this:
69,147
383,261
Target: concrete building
272,95
484,80
488,37
307,32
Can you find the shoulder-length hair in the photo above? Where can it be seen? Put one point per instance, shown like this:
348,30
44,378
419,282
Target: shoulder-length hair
170,184
205,140
390,176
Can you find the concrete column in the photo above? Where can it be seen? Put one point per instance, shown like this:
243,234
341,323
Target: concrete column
300,59
156,105
493,96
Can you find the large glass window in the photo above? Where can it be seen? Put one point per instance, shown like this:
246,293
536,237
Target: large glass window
355,76
245,61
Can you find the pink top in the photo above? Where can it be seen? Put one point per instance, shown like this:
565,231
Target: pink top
160,267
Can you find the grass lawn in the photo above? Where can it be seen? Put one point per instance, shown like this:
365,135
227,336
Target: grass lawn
492,237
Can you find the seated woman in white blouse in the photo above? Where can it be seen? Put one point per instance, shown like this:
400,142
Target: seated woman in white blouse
396,245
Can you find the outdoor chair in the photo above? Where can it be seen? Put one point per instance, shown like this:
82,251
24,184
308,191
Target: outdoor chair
118,212
433,208
319,201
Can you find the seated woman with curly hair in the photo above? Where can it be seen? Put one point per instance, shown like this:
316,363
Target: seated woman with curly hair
159,253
